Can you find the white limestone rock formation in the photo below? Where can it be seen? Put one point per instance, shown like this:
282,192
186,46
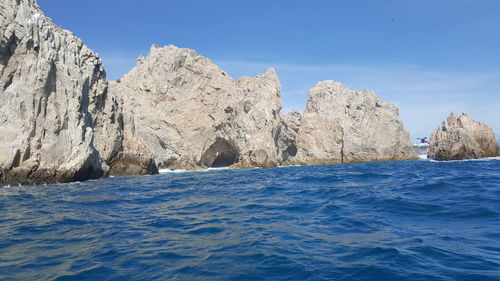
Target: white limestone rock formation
62,121
461,137
191,114
59,123
340,125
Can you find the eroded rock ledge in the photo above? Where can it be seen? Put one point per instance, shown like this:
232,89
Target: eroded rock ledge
461,137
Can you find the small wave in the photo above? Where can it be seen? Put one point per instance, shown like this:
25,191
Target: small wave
206,230
172,256
165,223
422,156
94,273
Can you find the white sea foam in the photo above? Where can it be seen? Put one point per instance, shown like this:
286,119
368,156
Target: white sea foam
422,156
285,166
468,160
164,171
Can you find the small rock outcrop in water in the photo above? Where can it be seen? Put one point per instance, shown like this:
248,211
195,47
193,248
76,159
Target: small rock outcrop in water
59,122
189,113
461,137
340,125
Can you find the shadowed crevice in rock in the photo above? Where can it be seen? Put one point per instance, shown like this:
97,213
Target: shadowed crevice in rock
342,146
88,172
6,53
50,86
222,153
7,50
17,159
286,147
285,138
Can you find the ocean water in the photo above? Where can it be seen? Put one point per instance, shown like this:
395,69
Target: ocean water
411,220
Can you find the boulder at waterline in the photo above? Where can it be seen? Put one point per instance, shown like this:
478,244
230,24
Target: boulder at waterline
461,137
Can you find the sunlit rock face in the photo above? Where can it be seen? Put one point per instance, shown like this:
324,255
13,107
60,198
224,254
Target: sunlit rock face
59,122
63,121
340,125
461,137
190,114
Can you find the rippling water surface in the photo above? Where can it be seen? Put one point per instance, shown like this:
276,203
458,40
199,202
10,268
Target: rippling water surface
413,220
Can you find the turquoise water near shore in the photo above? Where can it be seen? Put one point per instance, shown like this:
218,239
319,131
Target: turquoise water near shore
409,220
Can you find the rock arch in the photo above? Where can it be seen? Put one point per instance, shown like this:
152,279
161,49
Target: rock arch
222,153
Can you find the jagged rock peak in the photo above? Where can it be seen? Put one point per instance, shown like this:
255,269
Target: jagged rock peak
159,58
340,125
270,74
59,122
461,137
190,111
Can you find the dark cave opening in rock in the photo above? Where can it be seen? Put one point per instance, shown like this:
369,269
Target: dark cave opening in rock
223,160
291,151
222,153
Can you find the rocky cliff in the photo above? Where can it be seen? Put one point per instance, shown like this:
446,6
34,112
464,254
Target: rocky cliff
189,113
59,122
340,125
62,121
461,137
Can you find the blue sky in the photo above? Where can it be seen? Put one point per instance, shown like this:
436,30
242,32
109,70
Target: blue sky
428,57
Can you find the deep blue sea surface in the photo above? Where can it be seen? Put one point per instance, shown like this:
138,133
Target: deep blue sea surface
410,220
